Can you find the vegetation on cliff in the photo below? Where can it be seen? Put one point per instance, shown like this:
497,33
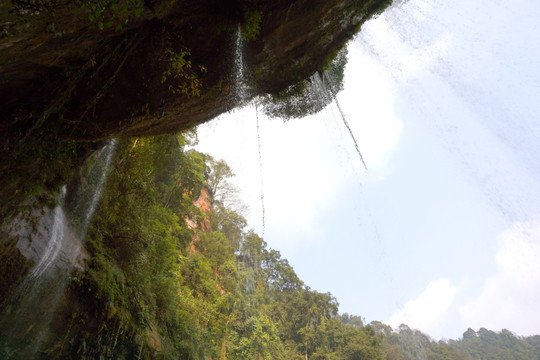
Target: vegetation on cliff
173,273
87,70
171,277
309,96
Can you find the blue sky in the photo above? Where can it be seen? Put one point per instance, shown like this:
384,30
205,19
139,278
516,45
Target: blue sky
443,231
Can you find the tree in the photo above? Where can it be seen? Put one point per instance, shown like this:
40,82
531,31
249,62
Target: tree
155,288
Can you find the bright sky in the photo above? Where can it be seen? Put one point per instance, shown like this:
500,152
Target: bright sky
443,231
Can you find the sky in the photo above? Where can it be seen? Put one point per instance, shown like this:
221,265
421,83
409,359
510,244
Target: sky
442,232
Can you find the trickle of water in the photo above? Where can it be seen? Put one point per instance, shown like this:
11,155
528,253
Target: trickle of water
55,242
104,159
241,92
260,168
27,314
324,90
247,266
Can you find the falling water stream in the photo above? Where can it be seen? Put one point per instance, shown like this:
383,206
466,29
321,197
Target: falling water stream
322,89
25,320
27,314
88,192
247,265
260,167
242,96
55,241
241,90
325,84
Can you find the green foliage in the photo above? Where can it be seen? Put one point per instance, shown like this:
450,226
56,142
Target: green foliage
335,71
405,344
256,337
353,320
156,288
107,14
306,97
375,7
492,345
38,167
251,26
134,278
183,79
216,176
296,101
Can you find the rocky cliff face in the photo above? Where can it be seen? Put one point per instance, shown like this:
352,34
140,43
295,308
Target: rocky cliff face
163,67
204,202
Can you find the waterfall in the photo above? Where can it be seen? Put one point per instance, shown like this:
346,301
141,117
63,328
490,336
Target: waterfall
108,152
241,91
260,167
322,89
242,97
88,192
246,261
27,314
324,79
55,241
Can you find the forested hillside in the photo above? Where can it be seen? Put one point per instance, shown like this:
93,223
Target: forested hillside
408,344
172,273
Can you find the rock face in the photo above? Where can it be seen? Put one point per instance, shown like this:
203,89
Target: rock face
63,80
204,202
32,243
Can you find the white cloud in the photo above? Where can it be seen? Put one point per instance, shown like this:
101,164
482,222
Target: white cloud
428,311
510,299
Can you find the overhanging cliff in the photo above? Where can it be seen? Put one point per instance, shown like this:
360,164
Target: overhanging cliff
71,73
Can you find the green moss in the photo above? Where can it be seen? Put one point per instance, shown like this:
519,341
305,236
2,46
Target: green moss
251,26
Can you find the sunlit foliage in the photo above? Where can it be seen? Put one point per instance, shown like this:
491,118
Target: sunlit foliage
167,280
181,75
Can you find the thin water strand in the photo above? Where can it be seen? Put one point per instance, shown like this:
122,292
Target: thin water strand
55,241
30,308
107,153
240,78
343,118
260,168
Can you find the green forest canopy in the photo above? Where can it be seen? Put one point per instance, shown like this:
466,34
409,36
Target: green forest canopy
172,278
156,287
